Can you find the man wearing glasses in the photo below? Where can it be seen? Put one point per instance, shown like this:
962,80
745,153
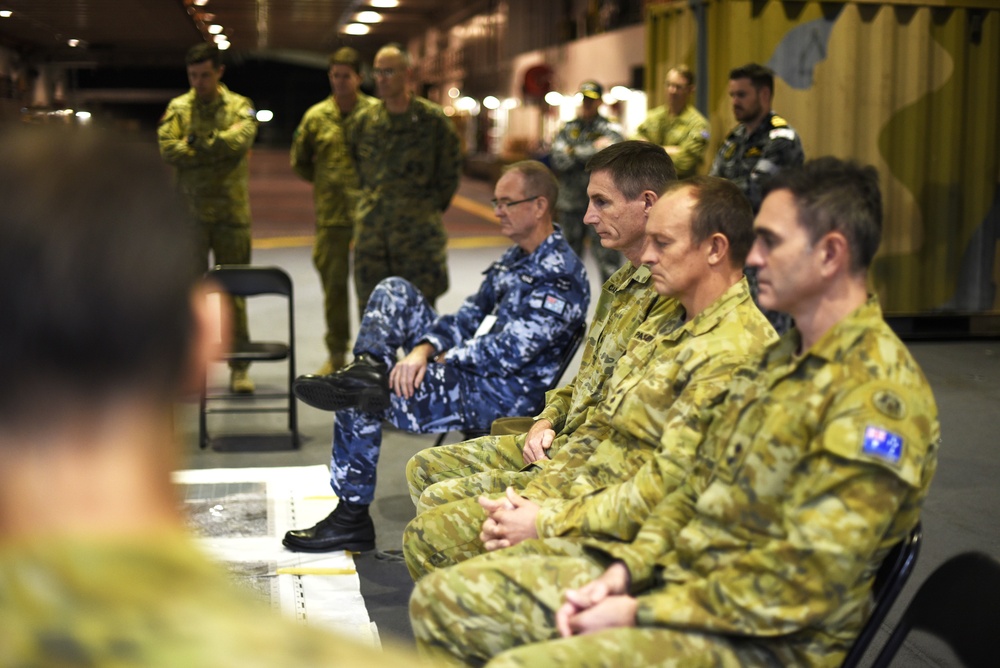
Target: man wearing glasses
494,357
677,126
407,155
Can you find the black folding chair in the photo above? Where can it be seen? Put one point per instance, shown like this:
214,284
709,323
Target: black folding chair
889,580
959,603
251,281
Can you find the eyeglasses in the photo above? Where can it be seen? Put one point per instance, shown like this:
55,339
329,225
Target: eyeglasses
384,71
503,204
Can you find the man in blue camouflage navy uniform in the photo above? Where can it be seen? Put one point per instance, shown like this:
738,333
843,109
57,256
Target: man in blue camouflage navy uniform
577,142
807,473
759,147
206,135
496,356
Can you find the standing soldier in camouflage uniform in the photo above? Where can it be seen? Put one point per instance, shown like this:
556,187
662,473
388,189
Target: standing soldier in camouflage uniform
407,155
759,147
812,468
320,155
699,233
96,565
206,135
494,357
677,126
627,178
575,144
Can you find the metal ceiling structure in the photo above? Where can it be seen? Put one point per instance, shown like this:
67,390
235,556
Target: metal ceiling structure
146,32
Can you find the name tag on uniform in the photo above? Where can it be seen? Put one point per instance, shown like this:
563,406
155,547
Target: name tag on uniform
486,326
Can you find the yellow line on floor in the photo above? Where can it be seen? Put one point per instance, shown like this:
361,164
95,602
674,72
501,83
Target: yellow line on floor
475,208
458,242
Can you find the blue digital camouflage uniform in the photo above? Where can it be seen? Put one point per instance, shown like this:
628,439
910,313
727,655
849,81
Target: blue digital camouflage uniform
207,144
572,148
151,600
809,471
409,166
671,369
320,155
446,473
688,131
748,161
538,299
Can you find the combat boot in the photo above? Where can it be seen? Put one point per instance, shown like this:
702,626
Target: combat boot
348,527
239,382
362,384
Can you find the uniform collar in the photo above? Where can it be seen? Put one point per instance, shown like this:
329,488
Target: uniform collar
710,318
836,342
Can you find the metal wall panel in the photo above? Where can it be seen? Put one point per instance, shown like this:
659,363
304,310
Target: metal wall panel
912,87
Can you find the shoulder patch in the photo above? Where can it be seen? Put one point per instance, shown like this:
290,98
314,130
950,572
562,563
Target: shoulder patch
890,404
554,304
782,133
778,122
882,444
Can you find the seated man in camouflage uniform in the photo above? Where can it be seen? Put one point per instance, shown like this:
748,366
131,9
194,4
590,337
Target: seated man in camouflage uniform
494,357
812,467
699,233
97,343
626,179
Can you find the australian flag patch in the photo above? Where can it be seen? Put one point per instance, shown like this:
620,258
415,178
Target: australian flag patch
554,304
883,444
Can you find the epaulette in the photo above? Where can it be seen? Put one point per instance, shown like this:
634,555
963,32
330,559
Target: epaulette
778,122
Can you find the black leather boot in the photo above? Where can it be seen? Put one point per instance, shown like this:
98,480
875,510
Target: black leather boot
348,527
362,384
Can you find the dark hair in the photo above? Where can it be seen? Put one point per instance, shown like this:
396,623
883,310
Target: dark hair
346,56
96,273
837,195
684,71
720,208
635,166
759,76
538,180
200,53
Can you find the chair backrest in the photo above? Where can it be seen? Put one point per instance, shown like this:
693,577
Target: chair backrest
958,603
895,570
571,348
246,280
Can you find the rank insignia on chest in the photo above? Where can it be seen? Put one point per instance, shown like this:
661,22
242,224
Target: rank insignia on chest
882,444
753,152
554,304
563,283
730,149
528,278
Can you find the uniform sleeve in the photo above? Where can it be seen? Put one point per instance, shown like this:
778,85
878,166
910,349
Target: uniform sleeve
837,512
449,163
584,151
172,138
562,151
645,131
303,153
557,403
236,140
783,150
529,328
691,148
617,512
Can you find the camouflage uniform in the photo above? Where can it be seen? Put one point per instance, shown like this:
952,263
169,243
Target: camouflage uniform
688,131
150,600
409,166
627,300
748,161
320,155
812,468
538,299
670,370
571,149
207,145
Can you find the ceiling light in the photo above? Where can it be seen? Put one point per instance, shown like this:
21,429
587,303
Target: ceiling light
384,4
491,102
368,17
5,13
265,115
215,29
219,39
356,29
200,3
73,42
224,44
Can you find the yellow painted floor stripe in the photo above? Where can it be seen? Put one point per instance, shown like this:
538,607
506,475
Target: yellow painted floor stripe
294,570
475,208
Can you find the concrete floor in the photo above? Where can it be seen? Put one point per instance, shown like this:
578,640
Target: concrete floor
960,513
